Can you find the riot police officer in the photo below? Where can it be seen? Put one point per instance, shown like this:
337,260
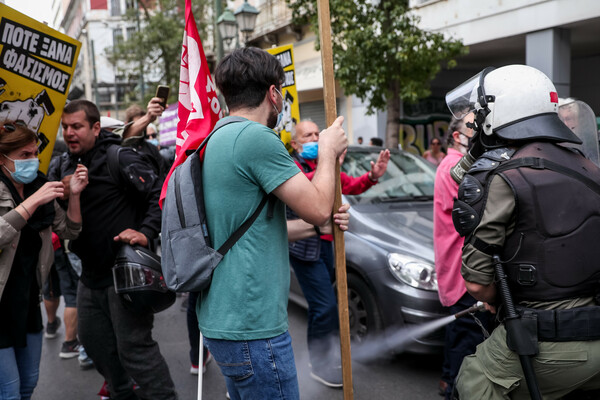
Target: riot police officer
535,205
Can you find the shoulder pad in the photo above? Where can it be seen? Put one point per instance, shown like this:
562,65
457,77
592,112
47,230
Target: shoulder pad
501,154
490,160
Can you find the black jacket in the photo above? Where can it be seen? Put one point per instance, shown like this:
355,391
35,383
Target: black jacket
160,164
110,207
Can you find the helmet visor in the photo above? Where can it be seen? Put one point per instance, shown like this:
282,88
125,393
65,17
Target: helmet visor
461,100
130,277
581,119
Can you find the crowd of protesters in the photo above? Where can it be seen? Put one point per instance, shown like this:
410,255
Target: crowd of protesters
103,193
96,211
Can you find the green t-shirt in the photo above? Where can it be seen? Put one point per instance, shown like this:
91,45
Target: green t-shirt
247,299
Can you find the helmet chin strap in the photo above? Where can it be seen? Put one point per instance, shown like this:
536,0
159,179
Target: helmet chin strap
492,142
483,112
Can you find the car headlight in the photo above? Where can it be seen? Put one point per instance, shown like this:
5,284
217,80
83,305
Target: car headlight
413,271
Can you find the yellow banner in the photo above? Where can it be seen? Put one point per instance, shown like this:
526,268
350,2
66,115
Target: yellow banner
36,70
291,108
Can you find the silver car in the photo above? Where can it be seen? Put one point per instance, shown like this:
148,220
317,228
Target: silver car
392,283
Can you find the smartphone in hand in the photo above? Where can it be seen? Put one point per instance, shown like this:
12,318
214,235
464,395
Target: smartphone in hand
162,92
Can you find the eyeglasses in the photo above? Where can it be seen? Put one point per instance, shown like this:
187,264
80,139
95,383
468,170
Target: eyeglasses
12,126
152,135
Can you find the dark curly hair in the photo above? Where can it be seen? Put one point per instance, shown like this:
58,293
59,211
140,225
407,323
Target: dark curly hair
245,75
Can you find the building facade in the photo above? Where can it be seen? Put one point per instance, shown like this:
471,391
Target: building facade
98,25
559,37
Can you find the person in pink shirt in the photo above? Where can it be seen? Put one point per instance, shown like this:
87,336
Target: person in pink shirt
462,335
435,154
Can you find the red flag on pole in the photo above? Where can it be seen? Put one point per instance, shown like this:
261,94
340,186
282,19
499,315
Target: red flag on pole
199,108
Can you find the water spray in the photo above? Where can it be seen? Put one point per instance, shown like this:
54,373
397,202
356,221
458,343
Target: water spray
381,345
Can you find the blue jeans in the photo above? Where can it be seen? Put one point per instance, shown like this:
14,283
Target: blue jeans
20,368
262,369
316,280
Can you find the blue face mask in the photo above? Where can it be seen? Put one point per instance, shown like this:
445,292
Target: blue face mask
25,170
310,150
153,141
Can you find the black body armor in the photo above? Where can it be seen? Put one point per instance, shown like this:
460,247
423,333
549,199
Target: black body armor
552,253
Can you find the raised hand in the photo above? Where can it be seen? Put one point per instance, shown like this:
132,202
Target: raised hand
379,167
79,180
154,109
45,194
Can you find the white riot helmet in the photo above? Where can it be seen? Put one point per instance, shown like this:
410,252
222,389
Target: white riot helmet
515,102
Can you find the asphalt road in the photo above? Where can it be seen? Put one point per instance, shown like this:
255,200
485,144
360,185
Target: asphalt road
403,377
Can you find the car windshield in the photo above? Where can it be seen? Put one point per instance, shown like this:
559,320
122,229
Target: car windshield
408,177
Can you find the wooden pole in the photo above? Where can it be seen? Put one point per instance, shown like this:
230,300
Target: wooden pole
338,235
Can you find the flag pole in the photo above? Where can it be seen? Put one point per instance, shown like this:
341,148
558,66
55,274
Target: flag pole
200,366
338,234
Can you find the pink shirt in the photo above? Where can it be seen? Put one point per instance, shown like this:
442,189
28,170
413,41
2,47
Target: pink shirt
429,156
447,244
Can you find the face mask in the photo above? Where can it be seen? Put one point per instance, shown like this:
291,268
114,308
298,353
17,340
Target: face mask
465,143
25,170
153,141
279,114
310,150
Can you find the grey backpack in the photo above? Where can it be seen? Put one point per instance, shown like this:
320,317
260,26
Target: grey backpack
188,258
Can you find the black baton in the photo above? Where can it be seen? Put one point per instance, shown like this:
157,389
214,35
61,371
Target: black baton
513,329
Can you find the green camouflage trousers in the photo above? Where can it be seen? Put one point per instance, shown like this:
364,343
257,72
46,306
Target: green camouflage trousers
494,371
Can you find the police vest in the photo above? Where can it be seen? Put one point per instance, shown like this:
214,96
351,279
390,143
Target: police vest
552,253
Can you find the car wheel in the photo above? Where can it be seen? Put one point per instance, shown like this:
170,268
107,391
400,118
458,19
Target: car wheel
365,319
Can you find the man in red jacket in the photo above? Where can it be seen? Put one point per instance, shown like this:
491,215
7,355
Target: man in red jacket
312,260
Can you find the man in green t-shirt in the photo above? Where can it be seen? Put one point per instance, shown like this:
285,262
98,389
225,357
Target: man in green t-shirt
243,315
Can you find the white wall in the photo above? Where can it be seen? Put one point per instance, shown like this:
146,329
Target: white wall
480,21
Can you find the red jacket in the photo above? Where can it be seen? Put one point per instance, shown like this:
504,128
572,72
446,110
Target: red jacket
350,185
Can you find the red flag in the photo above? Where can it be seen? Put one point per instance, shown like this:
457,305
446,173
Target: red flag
199,108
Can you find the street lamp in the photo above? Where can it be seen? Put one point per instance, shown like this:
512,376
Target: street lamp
227,26
245,16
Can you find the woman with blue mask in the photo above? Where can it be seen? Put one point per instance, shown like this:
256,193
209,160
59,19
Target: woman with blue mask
28,215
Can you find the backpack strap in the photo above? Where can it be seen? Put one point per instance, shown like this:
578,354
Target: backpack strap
235,236
112,161
542,163
220,123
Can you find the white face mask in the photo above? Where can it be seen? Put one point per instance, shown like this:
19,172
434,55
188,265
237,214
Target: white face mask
464,141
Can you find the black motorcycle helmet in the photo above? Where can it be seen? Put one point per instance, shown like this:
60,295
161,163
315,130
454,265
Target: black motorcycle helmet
139,281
